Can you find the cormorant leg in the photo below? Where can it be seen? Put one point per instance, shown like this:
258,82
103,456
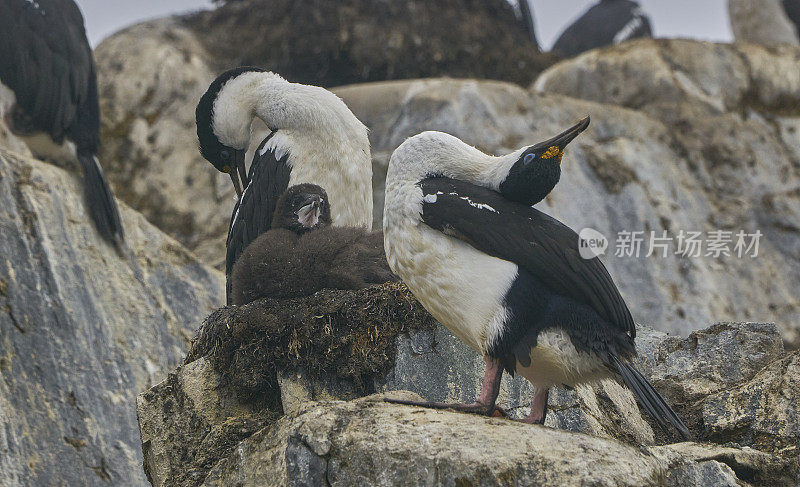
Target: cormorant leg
484,405
538,406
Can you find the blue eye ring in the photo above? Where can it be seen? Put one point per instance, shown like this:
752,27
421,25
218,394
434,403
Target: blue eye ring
528,158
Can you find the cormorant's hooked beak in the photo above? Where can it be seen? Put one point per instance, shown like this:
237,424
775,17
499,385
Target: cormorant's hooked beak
238,171
239,157
561,140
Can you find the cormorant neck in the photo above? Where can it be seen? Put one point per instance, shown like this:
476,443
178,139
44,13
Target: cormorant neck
235,108
281,105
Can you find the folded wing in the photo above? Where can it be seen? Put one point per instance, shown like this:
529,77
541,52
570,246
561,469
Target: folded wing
252,215
540,244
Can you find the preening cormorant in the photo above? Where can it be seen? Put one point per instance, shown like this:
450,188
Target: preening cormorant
505,278
48,95
607,22
303,253
314,138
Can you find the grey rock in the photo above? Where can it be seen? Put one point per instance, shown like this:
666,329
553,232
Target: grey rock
731,383
705,464
368,442
150,77
83,329
710,360
761,22
189,421
440,368
298,386
761,412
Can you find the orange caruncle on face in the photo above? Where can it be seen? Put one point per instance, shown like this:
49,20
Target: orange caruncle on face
553,151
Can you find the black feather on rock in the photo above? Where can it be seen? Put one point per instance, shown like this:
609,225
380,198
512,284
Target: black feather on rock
303,254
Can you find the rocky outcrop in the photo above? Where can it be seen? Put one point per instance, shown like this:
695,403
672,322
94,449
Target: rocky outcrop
150,77
732,383
199,422
368,442
685,136
761,22
83,329
351,41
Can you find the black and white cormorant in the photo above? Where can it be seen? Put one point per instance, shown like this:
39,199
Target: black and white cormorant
505,278
792,9
607,22
314,138
48,95
303,253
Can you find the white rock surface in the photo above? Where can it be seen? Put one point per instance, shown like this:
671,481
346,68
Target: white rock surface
761,22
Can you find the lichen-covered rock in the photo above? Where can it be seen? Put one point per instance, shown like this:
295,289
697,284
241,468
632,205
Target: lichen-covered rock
762,412
150,77
368,442
709,360
761,22
83,329
731,383
190,421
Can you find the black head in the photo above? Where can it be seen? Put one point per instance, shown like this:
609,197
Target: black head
226,159
538,168
301,208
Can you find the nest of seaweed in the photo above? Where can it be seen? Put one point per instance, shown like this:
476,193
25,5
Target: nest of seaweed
344,334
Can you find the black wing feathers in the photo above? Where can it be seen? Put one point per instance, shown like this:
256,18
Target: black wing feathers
538,243
101,203
252,216
649,398
46,60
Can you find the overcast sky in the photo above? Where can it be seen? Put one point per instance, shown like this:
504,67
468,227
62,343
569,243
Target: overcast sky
701,19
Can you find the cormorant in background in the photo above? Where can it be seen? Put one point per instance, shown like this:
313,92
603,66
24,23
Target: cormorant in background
505,278
48,95
792,9
608,22
526,12
314,138
302,253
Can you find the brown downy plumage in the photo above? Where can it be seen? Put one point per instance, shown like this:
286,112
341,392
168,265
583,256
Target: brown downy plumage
303,253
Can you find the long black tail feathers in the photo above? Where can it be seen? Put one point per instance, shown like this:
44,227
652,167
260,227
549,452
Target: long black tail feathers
102,206
649,398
